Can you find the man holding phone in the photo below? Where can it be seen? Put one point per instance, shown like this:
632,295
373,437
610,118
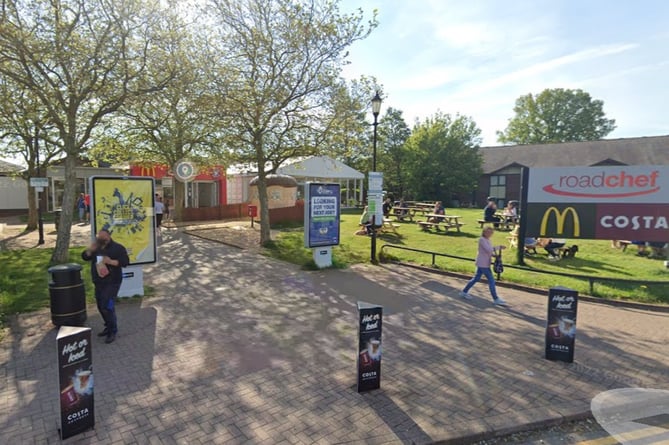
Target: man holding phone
107,258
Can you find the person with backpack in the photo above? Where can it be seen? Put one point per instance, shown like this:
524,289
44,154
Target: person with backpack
483,263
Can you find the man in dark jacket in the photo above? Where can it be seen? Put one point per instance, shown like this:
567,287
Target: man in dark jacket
107,259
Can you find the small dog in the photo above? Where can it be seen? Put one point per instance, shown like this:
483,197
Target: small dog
570,252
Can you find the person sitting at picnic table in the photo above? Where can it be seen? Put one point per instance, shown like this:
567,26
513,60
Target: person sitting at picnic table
438,210
510,212
551,245
365,223
490,210
387,207
403,206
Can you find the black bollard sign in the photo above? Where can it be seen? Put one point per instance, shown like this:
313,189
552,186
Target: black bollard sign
561,324
369,346
75,374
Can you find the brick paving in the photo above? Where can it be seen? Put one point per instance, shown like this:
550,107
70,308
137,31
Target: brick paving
238,348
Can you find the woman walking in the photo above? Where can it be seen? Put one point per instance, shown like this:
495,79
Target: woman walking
483,262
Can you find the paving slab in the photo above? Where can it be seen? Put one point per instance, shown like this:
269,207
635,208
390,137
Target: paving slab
239,348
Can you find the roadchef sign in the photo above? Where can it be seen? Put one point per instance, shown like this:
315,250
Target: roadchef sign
613,202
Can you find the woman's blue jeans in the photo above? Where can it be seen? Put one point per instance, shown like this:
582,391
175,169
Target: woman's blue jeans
489,276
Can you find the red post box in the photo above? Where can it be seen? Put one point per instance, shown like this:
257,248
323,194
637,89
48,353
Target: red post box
253,211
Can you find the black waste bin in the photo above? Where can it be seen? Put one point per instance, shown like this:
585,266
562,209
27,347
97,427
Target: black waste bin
68,296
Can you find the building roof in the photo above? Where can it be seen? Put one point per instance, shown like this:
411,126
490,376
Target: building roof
630,151
8,167
320,167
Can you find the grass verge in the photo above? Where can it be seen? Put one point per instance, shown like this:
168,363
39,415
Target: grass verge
24,280
595,258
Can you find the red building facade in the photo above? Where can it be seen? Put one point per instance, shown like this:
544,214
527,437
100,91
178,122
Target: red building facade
207,189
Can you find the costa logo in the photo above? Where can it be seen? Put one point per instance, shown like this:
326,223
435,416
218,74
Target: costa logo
634,222
602,185
560,217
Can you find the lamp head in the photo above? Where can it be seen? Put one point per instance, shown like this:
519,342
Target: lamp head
376,104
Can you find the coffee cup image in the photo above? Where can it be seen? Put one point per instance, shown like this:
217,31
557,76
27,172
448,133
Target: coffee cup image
567,326
374,349
82,382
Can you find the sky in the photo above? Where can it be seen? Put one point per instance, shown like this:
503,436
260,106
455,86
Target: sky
476,57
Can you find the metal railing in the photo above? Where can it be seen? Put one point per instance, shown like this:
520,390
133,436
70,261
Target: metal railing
589,278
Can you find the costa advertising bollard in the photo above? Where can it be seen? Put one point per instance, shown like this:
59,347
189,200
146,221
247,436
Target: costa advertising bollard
67,295
75,376
370,323
561,324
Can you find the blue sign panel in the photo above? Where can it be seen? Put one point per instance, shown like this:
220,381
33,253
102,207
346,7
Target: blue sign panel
322,214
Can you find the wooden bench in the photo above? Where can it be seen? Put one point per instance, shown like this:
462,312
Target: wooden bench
507,225
389,227
426,226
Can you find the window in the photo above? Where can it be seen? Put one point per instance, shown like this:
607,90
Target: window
498,189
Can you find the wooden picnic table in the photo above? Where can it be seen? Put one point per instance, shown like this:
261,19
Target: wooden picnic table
423,210
446,221
402,213
388,225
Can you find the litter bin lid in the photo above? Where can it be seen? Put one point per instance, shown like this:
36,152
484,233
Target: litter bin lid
68,267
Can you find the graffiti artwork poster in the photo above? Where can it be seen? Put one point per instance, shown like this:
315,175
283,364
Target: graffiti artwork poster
125,207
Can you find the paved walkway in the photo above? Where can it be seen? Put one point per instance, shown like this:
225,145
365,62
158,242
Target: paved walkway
237,348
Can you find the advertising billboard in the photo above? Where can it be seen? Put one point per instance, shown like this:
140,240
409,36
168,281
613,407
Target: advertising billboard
609,202
124,206
75,375
370,325
561,324
321,215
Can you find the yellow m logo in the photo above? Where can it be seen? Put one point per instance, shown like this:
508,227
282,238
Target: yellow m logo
147,171
559,219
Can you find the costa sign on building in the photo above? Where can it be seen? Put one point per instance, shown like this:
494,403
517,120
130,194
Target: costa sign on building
612,202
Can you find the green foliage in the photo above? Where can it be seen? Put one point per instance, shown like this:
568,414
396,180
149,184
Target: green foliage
443,157
557,115
393,133
278,70
81,60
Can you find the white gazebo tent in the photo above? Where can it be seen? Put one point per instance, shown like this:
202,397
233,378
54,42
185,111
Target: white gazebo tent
325,169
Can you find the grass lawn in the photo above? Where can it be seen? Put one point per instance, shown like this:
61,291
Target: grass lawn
595,258
24,279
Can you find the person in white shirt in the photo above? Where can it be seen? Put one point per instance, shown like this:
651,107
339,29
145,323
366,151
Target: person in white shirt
159,209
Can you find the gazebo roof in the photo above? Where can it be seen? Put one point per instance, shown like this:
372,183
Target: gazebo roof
320,167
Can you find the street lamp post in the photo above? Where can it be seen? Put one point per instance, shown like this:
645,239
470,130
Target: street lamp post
40,220
376,108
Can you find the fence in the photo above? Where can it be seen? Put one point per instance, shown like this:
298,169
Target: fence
589,278
235,211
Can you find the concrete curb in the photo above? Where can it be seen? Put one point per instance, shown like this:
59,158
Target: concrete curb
505,431
533,290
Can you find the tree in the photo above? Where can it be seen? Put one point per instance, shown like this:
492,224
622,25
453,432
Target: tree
26,134
177,123
82,59
280,66
350,138
557,115
444,157
393,134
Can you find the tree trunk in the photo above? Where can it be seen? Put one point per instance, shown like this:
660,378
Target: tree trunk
32,208
265,233
61,252
179,195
